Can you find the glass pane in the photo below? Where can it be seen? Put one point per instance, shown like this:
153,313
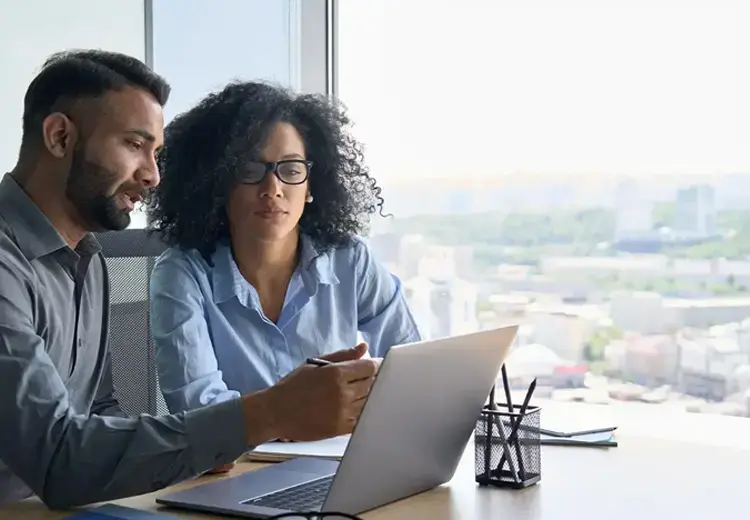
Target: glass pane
31,31
200,47
576,168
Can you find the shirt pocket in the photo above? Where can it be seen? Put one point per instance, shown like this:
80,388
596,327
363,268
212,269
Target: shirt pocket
317,332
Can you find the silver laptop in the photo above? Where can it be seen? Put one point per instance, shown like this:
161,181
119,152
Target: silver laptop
410,437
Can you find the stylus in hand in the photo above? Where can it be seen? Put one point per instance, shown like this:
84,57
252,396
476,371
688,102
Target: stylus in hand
318,362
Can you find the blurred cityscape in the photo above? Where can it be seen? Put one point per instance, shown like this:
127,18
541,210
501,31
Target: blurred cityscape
626,289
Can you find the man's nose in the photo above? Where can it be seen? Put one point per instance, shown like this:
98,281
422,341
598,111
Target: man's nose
148,175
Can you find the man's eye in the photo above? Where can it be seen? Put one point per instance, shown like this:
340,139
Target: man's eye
136,145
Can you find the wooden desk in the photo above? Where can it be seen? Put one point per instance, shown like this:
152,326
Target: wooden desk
641,479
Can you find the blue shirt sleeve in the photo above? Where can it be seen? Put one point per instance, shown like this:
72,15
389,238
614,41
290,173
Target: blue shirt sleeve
189,375
383,315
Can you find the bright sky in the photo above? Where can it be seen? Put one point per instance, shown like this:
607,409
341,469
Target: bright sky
548,86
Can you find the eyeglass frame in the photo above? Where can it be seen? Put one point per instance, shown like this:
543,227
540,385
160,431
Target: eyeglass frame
316,516
273,167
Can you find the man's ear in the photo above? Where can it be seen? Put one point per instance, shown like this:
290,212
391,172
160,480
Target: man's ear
59,134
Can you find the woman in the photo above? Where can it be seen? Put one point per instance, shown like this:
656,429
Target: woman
262,196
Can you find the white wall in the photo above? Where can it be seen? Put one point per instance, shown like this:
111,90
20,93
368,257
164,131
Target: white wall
31,31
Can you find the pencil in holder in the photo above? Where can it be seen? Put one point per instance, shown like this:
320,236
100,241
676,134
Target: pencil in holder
507,447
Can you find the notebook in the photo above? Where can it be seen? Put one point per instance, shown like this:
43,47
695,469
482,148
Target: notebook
563,428
279,451
602,439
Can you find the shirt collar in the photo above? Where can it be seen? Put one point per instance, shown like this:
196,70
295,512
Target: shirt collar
227,280
316,263
315,269
34,233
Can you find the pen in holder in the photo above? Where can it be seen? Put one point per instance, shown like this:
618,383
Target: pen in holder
507,447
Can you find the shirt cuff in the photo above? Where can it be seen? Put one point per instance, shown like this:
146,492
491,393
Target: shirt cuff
216,434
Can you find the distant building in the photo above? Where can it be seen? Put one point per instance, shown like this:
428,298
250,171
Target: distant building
572,376
650,313
642,269
652,360
739,380
709,355
641,312
634,212
695,213
463,260
705,312
442,307
712,387
532,361
562,329
437,262
615,357
537,361
386,246
412,249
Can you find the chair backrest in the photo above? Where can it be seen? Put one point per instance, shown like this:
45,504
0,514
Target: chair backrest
130,257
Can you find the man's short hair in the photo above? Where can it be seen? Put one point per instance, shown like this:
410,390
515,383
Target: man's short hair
70,75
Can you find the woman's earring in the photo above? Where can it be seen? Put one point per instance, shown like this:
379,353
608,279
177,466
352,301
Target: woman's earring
309,199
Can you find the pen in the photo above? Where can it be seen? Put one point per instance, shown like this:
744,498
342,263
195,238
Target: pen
514,433
489,426
506,387
318,362
503,440
513,424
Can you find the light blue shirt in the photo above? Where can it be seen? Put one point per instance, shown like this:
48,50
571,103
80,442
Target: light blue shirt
213,341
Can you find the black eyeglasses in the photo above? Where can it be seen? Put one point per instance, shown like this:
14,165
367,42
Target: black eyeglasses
292,171
315,516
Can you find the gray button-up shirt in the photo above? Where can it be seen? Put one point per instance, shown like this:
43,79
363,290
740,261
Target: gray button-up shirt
62,433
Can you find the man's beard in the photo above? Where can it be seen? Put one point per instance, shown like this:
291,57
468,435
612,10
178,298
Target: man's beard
87,187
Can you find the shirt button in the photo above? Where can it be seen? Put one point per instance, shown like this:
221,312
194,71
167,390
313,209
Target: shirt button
80,343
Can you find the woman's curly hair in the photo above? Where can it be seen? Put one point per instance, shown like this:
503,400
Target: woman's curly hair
204,148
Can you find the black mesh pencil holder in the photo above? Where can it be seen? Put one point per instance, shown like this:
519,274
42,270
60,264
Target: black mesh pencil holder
510,456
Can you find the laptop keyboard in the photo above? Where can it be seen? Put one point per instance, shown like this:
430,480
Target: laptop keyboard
305,497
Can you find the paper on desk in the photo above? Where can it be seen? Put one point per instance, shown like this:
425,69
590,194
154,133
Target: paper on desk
279,451
599,439
571,421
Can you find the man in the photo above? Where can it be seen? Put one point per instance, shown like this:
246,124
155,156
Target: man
92,126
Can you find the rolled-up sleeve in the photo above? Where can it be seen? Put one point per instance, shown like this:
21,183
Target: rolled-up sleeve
189,373
69,459
383,315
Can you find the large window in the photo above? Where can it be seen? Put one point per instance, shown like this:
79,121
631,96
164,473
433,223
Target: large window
195,45
579,167
31,31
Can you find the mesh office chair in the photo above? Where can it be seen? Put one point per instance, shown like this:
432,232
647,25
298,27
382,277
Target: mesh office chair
130,257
